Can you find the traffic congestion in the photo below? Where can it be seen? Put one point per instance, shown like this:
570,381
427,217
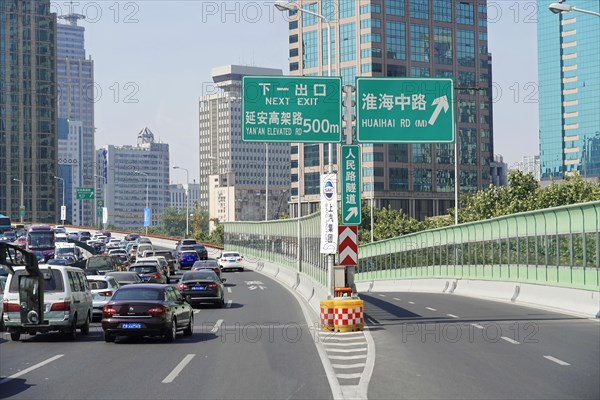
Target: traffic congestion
128,286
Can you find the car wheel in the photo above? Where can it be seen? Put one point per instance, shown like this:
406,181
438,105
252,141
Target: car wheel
109,338
172,334
222,303
85,329
15,336
189,330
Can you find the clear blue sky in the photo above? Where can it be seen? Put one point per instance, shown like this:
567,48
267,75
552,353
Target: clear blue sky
153,61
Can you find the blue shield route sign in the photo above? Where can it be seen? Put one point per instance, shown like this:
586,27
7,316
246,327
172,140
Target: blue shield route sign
329,214
351,211
147,216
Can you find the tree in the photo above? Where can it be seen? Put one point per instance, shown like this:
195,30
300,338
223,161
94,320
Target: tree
172,222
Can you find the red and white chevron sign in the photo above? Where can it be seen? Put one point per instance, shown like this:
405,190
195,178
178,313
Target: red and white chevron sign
348,245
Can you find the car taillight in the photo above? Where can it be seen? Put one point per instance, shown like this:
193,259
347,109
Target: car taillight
182,286
223,259
11,307
157,275
212,285
107,293
158,310
239,259
109,310
62,306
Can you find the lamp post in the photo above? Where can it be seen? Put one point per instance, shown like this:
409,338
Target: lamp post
283,6
146,175
63,196
187,199
560,8
21,206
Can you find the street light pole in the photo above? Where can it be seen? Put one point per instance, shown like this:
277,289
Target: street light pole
21,206
63,196
559,8
187,198
146,175
282,6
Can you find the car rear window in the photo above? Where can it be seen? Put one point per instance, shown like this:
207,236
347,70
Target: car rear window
231,254
93,285
146,269
53,281
189,253
138,294
206,276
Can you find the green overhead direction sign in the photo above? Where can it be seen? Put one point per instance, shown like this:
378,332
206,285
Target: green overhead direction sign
351,210
84,193
292,109
405,110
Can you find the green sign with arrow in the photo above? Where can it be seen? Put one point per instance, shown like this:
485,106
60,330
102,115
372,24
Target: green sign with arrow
351,211
405,110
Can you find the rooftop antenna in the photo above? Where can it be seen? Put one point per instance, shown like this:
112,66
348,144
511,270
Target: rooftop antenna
72,17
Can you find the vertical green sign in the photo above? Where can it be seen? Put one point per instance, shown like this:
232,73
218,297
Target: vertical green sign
351,211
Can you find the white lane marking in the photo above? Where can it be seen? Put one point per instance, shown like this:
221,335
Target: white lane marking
196,311
229,303
228,290
431,309
341,335
359,350
382,295
477,326
395,298
178,368
411,302
452,316
348,366
348,376
347,357
26,370
556,360
509,340
217,326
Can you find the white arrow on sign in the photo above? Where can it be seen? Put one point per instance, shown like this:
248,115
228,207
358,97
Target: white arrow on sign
352,211
440,102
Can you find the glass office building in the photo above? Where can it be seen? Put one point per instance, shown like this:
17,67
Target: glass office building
28,119
401,38
76,98
569,91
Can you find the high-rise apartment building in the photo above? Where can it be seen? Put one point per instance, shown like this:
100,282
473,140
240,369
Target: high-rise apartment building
131,178
529,165
28,119
569,90
240,169
75,104
401,38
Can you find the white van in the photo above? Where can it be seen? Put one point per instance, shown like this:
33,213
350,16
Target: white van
142,248
67,302
64,249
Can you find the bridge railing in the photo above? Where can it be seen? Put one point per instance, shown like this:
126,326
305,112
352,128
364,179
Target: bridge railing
277,241
556,246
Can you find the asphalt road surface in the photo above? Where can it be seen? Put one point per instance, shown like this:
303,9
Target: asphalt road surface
439,346
258,347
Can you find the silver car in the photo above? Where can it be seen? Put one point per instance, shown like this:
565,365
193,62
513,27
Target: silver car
102,288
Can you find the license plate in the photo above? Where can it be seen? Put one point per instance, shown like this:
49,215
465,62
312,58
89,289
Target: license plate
131,325
231,260
198,287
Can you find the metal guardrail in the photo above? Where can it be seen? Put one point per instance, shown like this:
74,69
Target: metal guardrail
556,246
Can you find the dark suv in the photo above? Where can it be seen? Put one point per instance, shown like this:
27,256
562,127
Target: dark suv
168,255
202,252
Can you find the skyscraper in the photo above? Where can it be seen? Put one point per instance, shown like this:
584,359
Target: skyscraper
401,38
76,106
239,168
130,178
569,91
28,119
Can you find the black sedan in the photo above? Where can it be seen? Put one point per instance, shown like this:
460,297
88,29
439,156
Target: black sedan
147,310
125,277
149,273
201,287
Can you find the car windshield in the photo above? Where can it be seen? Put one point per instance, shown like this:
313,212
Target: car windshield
41,240
138,294
198,276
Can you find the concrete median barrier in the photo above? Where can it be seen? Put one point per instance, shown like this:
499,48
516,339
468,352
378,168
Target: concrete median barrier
585,302
497,290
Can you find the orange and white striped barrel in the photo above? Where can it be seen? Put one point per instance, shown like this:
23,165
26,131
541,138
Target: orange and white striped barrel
327,315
